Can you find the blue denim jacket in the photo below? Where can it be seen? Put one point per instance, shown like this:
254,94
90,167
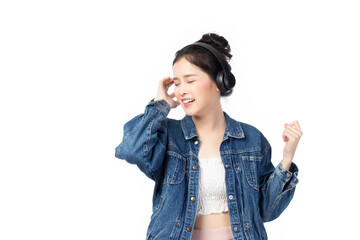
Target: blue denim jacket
166,151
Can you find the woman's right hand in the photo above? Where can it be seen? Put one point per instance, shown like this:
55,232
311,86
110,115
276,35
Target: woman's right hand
162,93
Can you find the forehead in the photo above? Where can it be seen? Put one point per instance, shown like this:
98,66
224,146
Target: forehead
183,68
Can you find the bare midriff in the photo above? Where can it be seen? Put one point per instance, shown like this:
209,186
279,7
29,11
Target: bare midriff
213,220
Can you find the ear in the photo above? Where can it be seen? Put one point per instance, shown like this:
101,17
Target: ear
217,89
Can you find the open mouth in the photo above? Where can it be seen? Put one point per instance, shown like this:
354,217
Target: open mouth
188,101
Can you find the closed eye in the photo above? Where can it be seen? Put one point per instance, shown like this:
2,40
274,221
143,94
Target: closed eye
177,83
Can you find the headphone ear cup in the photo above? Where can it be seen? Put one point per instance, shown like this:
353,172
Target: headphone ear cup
220,81
225,82
229,81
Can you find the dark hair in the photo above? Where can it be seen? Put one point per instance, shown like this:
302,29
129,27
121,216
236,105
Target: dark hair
205,59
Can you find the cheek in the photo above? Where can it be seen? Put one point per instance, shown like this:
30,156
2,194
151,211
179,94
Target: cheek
176,92
205,88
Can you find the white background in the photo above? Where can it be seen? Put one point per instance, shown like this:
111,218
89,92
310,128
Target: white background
74,72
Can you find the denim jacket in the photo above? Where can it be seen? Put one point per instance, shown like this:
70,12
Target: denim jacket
166,150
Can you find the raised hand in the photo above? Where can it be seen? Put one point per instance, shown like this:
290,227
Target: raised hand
291,136
162,93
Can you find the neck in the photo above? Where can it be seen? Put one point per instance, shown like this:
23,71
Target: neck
212,122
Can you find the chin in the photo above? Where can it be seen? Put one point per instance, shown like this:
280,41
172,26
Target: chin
189,113
192,113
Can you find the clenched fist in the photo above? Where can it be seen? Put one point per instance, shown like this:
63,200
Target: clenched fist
291,136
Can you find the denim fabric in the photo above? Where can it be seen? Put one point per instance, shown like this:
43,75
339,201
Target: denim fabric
166,151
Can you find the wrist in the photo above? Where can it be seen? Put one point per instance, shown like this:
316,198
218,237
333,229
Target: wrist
286,162
287,158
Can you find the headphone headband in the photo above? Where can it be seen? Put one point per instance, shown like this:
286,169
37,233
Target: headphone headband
215,52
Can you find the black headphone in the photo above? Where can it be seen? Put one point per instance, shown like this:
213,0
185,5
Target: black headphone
225,80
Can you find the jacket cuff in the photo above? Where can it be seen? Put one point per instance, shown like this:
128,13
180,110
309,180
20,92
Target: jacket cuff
161,104
287,176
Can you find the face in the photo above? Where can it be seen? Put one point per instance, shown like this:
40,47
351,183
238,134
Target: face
194,89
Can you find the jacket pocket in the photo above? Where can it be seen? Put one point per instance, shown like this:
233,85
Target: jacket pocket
250,162
175,166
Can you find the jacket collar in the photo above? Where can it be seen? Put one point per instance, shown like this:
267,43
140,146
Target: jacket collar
233,128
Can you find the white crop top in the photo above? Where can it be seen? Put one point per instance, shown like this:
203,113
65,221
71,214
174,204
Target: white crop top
212,189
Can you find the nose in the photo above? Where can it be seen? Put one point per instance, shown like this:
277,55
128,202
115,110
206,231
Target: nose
182,89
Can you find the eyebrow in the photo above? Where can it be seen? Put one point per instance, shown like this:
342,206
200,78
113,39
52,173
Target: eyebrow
185,76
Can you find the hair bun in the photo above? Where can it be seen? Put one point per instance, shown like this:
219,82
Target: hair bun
218,42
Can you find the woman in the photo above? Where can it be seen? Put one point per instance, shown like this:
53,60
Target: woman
213,175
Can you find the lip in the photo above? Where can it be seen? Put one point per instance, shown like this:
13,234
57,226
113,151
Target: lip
187,104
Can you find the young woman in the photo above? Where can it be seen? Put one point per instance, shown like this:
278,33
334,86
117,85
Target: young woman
213,175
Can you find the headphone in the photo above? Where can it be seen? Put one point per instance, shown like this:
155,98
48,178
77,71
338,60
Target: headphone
225,80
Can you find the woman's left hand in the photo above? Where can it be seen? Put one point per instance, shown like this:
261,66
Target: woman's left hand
291,135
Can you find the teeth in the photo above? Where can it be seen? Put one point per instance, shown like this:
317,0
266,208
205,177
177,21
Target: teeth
188,100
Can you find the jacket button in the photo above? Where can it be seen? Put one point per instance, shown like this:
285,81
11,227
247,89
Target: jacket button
193,199
188,228
196,142
226,165
235,229
288,175
231,197
195,167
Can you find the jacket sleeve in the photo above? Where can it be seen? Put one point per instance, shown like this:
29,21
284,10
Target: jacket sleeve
145,138
277,185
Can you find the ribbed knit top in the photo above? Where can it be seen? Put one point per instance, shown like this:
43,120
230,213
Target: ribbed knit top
212,189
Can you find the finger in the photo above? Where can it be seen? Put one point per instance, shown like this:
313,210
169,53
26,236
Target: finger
165,79
172,95
283,135
167,85
284,138
168,80
296,125
293,122
297,128
289,125
294,130
290,135
163,82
